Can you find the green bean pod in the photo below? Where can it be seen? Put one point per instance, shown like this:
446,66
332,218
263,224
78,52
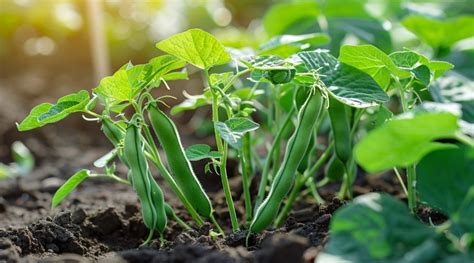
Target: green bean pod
180,166
153,211
280,76
335,169
159,204
295,151
115,136
341,130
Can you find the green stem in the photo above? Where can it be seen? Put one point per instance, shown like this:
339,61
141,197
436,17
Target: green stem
246,186
214,221
298,184
411,171
276,142
411,177
222,148
234,78
314,192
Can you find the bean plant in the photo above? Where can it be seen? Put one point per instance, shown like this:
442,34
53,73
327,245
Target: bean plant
281,99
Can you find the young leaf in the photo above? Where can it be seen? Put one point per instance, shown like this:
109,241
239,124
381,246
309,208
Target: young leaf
233,129
405,140
69,186
445,178
347,84
201,151
440,34
372,61
46,113
404,59
197,47
378,228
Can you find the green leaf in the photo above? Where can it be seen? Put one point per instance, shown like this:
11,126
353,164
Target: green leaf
233,129
286,45
405,140
116,87
372,61
378,118
347,84
197,47
440,34
368,30
458,89
69,186
281,17
201,151
192,102
444,179
404,59
46,113
422,73
378,228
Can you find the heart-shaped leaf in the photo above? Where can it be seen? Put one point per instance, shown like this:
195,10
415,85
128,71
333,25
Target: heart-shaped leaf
197,47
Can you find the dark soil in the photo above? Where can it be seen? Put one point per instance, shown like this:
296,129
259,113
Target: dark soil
101,220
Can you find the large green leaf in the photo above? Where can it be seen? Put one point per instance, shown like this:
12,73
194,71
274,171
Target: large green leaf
69,186
372,61
440,33
192,102
286,45
46,113
282,18
444,179
197,47
378,228
347,84
233,129
405,140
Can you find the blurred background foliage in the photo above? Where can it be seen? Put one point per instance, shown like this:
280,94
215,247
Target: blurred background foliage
45,45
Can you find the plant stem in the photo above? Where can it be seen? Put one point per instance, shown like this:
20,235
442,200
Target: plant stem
222,148
246,184
299,183
314,192
411,178
276,142
411,171
169,179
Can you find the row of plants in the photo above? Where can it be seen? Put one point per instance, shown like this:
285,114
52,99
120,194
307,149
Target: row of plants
326,116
